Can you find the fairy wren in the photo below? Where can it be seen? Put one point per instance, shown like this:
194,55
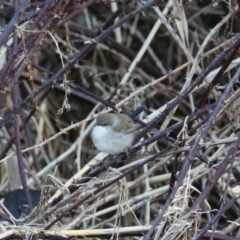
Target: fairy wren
114,133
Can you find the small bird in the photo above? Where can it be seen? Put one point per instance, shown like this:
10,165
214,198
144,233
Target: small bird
114,133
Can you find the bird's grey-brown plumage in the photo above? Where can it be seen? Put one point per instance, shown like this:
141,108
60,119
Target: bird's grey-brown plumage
121,124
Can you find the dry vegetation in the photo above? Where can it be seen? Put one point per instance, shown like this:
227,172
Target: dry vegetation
64,62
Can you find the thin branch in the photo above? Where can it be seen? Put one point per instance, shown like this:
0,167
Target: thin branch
19,153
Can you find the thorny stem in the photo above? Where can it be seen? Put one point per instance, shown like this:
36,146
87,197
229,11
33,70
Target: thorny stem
85,49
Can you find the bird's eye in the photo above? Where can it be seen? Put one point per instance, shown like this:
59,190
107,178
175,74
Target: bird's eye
103,125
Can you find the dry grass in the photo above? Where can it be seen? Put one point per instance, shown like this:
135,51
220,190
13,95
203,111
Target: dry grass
64,62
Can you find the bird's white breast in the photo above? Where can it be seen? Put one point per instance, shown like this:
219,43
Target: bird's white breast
108,141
